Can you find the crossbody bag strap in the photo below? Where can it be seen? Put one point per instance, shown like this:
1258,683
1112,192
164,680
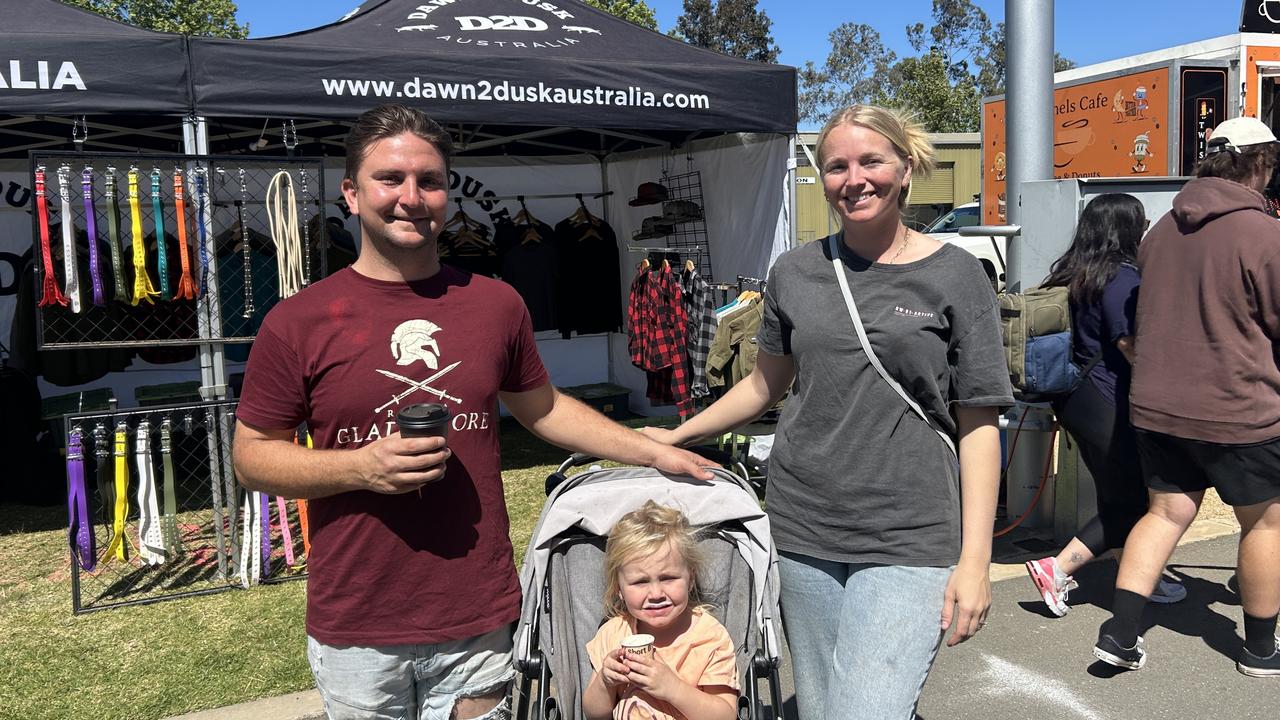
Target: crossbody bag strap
833,244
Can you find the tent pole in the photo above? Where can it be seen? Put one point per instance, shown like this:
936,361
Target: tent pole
190,146
607,202
213,373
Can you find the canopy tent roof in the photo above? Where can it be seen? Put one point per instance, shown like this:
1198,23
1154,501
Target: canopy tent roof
498,62
526,78
64,60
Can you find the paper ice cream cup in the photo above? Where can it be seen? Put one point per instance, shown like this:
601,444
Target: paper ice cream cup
637,644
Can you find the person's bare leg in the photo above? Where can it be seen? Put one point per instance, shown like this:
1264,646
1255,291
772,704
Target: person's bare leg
1258,564
465,708
1074,556
1153,539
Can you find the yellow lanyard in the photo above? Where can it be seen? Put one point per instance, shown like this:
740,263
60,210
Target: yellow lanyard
122,497
142,289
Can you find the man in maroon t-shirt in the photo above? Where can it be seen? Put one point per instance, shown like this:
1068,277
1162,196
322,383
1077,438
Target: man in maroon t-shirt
412,587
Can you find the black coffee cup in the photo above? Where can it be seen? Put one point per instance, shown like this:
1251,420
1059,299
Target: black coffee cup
424,420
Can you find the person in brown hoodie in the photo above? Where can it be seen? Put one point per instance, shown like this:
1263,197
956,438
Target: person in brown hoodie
1205,395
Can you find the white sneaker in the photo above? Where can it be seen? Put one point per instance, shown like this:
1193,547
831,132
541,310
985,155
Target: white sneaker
1168,592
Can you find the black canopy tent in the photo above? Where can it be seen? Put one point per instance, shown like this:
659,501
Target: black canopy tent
513,77
61,62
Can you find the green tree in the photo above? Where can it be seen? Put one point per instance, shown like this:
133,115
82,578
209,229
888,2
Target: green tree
634,11
960,60
923,86
211,18
733,27
855,71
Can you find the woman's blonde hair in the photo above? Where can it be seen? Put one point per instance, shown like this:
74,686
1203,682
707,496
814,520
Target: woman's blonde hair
642,533
900,127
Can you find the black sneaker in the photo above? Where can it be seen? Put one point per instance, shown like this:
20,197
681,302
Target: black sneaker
1255,666
1113,653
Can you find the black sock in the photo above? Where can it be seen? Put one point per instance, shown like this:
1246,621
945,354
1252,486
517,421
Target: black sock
1126,613
1260,635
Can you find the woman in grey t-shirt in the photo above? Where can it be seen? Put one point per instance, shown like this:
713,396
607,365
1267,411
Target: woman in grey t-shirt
884,534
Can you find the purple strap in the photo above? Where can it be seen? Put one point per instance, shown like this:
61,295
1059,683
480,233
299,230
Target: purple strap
265,519
80,531
91,227
204,245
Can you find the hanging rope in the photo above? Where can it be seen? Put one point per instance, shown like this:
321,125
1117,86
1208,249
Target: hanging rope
282,217
201,233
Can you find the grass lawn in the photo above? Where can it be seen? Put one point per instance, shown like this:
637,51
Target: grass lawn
153,661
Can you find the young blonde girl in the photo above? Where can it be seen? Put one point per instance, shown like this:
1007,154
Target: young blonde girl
651,570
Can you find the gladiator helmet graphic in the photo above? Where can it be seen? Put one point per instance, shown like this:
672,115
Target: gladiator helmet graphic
412,341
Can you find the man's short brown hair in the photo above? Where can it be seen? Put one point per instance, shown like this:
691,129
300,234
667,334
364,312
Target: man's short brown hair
387,121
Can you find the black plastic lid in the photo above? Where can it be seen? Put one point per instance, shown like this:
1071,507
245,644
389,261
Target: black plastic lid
423,415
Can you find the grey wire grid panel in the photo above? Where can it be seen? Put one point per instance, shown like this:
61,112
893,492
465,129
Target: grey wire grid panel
207,500
173,322
692,234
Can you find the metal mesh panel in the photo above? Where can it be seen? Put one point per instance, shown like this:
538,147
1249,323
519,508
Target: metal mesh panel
207,503
175,322
693,233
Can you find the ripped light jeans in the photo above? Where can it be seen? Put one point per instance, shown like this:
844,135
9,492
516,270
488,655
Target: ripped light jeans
862,636
412,682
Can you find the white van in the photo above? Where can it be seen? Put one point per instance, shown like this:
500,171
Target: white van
988,249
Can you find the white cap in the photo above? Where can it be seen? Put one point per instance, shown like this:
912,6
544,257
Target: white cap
1238,133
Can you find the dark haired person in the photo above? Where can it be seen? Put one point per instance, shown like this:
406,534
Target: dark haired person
1205,396
412,587
1099,271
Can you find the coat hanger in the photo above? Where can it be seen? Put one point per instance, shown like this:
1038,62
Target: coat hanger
459,217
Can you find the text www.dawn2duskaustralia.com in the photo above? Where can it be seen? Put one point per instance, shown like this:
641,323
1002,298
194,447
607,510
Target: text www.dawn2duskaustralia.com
508,92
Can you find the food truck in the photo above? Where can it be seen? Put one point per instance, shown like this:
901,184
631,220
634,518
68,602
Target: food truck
1149,114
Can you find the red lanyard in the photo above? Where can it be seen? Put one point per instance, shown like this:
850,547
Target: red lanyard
186,286
51,295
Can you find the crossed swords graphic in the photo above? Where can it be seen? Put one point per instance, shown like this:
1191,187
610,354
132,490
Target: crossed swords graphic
415,386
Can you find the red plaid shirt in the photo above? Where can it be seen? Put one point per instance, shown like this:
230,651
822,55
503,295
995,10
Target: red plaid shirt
657,325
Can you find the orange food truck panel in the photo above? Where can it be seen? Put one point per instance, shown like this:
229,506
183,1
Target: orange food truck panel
1115,127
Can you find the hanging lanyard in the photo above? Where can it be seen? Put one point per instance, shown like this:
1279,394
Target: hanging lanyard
200,232
91,226
121,292
150,544
51,293
157,215
79,528
306,231
245,249
121,493
102,451
186,287
69,266
286,536
142,289
169,520
251,539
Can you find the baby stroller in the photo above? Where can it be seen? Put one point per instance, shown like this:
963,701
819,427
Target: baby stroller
563,578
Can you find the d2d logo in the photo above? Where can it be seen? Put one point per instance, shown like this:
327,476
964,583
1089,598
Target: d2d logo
501,22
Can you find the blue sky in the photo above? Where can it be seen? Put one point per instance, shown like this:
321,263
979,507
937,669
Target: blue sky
1086,31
